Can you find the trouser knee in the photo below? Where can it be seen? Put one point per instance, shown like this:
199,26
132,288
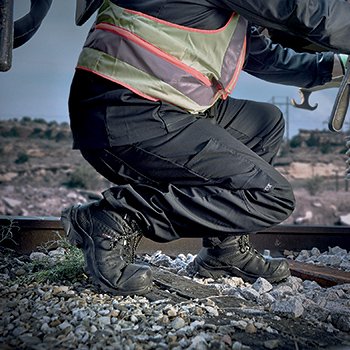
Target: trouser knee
280,204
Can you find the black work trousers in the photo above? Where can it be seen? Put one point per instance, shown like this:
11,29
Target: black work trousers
210,176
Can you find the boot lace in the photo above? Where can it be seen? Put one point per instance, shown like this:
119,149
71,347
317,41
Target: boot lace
129,240
245,246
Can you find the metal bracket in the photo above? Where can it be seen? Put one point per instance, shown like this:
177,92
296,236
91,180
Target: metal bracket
6,34
305,104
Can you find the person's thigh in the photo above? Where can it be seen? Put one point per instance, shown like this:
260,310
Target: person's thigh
259,125
202,153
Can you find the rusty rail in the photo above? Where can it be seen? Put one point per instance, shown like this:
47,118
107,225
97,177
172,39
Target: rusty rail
323,275
25,234
29,232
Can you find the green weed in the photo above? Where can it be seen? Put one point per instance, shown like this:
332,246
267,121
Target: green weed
69,267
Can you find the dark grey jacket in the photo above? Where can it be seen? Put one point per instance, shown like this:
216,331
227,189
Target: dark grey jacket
324,22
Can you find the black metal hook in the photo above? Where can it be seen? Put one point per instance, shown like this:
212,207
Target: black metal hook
305,104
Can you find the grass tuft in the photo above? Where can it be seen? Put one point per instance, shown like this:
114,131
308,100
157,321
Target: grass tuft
6,231
69,267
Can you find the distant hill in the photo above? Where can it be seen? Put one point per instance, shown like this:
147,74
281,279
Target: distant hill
28,128
40,173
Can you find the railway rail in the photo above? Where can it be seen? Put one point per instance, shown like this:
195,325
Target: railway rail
25,234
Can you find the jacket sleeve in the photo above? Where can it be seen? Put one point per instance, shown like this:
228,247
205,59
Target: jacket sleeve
324,22
274,63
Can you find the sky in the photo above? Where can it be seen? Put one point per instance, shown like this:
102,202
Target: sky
37,85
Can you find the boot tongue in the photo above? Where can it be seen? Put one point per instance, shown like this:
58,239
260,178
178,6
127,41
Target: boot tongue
236,242
211,242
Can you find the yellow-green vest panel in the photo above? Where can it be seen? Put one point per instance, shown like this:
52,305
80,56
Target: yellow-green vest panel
158,60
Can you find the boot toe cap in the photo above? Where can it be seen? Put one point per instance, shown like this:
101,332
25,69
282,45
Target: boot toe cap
281,270
135,279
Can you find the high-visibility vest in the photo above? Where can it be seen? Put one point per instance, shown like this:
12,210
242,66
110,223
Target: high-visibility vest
158,60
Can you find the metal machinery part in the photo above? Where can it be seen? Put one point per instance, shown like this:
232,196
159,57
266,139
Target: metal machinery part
341,103
15,34
6,34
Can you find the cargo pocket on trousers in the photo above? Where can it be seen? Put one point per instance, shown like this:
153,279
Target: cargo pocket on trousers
222,165
201,163
174,118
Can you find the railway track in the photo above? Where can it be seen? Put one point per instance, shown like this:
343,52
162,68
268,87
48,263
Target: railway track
25,234
171,289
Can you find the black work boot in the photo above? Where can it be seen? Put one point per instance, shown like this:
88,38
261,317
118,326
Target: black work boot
108,241
234,256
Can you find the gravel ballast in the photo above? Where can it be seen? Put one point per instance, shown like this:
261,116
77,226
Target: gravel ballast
72,314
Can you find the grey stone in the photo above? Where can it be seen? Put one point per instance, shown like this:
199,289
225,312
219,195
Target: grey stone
271,344
104,320
315,252
261,285
57,253
11,202
345,264
237,345
341,320
18,331
250,293
199,342
281,291
37,256
178,323
266,299
295,283
329,259
303,256
65,325
311,285
345,220
212,310
290,306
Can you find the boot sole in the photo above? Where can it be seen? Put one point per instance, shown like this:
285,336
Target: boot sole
86,244
207,271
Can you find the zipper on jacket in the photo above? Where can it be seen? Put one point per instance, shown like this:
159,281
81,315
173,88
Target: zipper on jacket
232,83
